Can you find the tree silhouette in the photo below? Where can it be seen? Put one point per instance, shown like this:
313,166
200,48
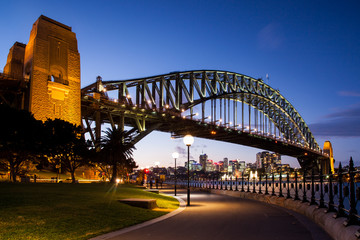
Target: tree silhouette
66,148
20,139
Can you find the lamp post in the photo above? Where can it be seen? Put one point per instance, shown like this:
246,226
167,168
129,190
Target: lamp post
175,155
188,140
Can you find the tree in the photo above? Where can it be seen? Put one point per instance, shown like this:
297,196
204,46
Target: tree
66,148
116,152
20,140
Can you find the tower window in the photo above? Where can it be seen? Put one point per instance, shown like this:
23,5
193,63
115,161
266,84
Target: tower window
58,79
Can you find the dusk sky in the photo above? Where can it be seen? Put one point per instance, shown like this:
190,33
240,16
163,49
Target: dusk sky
310,49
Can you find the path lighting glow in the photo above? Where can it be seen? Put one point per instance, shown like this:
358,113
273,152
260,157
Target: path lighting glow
117,180
188,140
253,175
175,155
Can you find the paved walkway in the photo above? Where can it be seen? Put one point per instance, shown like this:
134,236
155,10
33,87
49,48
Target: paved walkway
221,217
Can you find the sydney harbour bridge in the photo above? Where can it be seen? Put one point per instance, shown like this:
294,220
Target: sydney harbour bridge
211,104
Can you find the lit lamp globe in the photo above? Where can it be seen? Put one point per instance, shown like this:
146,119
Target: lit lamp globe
188,140
175,155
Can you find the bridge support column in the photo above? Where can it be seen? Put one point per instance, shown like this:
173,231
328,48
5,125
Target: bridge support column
97,126
121,123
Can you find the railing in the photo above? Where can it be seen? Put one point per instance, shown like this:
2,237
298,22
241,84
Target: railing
338,193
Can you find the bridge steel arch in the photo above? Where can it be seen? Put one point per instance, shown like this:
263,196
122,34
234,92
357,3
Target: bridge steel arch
211,104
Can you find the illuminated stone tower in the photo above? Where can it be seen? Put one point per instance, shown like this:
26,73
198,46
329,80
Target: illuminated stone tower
328,164
52,65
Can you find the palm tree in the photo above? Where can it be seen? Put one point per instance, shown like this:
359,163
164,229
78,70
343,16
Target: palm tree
116,150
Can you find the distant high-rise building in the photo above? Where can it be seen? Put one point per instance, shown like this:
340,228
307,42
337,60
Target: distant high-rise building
220,166
209,166
193,165
217,167
203,160
267,160
233,166
242,166
226,163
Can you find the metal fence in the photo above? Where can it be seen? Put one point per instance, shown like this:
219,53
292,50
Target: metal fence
338,193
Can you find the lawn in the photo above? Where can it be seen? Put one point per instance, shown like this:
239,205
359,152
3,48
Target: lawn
72,211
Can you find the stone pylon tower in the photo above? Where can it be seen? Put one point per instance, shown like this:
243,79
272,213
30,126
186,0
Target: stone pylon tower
52,66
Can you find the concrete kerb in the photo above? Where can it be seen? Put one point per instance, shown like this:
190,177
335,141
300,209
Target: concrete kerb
333,226
144,224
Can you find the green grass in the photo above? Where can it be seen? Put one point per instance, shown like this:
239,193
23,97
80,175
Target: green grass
72,211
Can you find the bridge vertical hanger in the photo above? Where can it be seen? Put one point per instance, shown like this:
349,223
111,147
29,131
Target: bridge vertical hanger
153,92
249,105
178,92
161,97
191,89
214,101
167,86
229,110
212,112
225,114
242,112
203,95
220,117
98,126
255,119
143,99
138,94
234,98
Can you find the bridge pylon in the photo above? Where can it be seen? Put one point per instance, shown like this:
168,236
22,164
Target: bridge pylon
49,68
327,164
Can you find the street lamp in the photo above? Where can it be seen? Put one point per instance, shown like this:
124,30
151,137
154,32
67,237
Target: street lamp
175,155
188,140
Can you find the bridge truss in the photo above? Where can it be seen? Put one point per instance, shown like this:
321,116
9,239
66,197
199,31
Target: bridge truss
210,104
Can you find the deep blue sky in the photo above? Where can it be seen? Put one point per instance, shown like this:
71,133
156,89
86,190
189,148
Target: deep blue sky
310,49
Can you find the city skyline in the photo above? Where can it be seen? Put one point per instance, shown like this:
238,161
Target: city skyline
309,51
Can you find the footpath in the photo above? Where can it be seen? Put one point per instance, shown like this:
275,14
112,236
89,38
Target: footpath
222,217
